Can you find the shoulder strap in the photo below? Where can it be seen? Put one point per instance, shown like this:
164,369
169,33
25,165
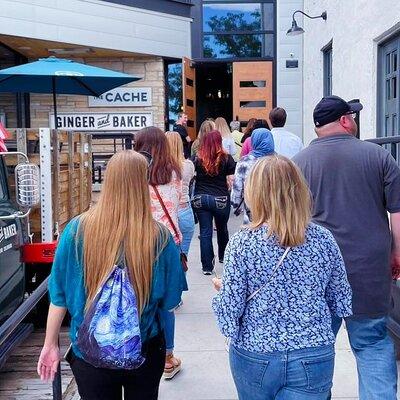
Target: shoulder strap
279,263
165,210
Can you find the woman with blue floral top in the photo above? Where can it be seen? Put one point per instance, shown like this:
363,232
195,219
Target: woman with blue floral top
284,278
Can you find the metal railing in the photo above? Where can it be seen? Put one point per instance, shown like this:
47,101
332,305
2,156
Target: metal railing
13,322
390,143
100,157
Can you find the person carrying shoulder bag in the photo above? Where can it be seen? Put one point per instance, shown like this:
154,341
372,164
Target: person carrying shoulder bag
115,270
283,278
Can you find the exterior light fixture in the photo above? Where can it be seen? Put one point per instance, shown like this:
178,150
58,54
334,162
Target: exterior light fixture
297,30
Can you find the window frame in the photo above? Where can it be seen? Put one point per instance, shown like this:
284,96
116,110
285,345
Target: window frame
4,194
327,54
262,32
390,45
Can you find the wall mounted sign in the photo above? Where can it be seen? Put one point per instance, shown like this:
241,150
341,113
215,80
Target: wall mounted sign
123,97
129,121
292,63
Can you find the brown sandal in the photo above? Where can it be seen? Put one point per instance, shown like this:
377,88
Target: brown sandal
172,366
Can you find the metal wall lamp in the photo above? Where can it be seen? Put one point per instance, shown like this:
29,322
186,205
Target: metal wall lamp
297,30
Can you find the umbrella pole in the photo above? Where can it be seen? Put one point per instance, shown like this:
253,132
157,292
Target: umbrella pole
54,101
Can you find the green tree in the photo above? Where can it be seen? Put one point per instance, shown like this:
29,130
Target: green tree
175,88
230,45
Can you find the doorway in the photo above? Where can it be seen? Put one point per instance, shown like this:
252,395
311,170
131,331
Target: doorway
237,90
213,91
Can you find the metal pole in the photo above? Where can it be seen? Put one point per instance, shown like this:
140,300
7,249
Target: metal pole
57,388
54,101
46,202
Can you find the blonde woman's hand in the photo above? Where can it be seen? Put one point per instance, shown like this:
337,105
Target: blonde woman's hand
217,282
48,362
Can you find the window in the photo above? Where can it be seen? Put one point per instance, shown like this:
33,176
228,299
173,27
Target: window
388,88
3,182
174,92
238,30
232,17
14,107
327,81
238,46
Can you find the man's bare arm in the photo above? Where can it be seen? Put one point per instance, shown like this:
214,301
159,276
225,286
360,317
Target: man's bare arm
395,257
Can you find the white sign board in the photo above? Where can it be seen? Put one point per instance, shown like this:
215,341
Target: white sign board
123,97
129,121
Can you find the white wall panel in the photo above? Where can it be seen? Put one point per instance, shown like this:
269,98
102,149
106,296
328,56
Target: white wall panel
354,28
290,80
99,24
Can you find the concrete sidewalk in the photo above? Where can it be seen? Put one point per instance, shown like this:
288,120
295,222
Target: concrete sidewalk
205,371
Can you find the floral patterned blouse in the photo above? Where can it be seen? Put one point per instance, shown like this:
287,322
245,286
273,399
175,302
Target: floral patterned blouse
293,310
171,194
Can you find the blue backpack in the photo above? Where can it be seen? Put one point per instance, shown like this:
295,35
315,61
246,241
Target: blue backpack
109,336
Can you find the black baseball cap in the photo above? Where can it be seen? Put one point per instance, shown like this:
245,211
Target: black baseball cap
331,108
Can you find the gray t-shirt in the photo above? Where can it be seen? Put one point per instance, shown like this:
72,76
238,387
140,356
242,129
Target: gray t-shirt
354,184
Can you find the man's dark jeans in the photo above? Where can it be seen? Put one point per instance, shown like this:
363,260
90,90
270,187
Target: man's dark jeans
208,207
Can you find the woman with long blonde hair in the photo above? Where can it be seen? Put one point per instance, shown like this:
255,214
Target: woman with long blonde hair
185,212
228,143
207,126
283,279
118,232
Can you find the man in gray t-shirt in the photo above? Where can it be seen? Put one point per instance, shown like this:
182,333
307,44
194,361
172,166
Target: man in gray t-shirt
354,185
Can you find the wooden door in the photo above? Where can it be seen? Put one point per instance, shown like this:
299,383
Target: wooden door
252,90
189,95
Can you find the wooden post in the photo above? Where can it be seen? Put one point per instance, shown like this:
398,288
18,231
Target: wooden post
70,173
89,168
56,179
21,141
82,141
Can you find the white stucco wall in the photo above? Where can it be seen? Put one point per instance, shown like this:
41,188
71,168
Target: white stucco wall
99,24
290,80
356,29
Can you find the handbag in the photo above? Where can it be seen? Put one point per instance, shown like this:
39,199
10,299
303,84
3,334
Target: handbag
183,256
278,264
192,184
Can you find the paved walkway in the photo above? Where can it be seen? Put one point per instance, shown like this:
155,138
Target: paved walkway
205,374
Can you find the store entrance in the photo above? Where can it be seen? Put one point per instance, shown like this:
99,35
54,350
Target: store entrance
236,91
213,91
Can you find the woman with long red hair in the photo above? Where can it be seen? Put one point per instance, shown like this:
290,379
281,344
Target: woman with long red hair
211,197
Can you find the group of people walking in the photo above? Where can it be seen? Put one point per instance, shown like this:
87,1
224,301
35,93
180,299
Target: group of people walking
315,249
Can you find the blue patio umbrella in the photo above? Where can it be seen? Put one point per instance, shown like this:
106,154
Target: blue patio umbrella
54,75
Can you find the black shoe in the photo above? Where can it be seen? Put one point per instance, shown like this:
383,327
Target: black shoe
221,260
207,272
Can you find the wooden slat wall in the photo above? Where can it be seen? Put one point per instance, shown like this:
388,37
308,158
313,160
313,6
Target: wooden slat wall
189,95
71,174
252,71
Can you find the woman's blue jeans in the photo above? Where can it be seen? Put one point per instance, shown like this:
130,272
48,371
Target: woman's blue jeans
207,208
304,374
186,226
